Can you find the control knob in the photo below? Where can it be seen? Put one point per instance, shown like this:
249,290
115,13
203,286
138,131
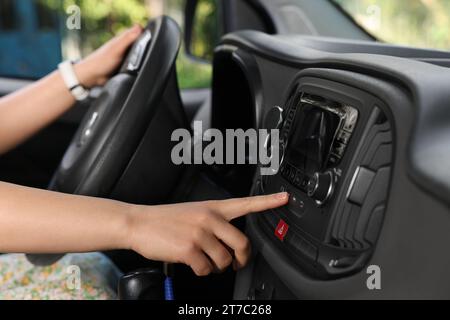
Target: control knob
321,187
273,121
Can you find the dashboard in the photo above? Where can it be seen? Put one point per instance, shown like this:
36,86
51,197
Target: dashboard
363,145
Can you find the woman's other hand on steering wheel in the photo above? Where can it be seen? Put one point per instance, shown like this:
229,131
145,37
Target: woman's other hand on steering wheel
96,69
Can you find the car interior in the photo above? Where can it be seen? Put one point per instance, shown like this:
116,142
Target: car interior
364,129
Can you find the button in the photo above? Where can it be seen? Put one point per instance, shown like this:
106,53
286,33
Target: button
360,185
295,201
286,172
339,149
136,58
304,183
292,174
289,172
344,137
137,53
298,179
281,230
334,159
351,119
296,205
291,116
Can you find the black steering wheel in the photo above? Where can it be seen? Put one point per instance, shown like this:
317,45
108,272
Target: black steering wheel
123,143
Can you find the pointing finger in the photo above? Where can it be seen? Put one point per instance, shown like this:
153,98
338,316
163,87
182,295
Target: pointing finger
235,208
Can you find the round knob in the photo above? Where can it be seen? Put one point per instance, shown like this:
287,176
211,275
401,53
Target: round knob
321,187
273,121
274,118
269,149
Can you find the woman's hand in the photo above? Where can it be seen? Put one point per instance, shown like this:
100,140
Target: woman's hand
97,68
25,112
197,234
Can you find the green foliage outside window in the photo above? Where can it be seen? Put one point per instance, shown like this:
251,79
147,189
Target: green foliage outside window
206,33
420,23
102,19
193,75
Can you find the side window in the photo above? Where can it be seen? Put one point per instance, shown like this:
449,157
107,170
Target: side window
8,16
206,32
417,23
34,37
100,21
193,72
47,17
30,39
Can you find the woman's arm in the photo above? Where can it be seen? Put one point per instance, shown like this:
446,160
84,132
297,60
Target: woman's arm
39,221
197,234
24,113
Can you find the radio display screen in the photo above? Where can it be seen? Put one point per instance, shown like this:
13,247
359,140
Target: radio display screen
313,135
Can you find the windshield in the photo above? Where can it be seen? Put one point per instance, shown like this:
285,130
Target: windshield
419,23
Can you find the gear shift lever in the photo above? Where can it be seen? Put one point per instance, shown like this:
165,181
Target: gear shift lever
143,284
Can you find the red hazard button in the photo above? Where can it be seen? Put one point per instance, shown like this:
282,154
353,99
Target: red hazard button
281,230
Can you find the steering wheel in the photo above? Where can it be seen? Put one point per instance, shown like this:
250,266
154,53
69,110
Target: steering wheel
119,133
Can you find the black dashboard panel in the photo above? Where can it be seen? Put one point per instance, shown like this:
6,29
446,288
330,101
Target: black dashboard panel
364,139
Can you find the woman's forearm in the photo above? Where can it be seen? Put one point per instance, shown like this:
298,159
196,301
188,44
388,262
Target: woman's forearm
197,234
27,111
39,221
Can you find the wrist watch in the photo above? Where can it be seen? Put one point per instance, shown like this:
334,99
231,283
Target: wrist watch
71,80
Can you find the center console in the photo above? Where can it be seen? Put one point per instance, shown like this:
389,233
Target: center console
363,148
336,152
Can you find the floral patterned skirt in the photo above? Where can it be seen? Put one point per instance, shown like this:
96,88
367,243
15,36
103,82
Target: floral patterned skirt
87,276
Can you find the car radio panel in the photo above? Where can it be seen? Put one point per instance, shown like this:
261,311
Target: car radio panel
315,138
321,144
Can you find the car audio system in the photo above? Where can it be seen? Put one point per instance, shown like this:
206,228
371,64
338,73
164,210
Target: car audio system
335,161
316,145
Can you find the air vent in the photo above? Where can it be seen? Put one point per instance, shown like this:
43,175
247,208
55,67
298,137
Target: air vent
358,221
